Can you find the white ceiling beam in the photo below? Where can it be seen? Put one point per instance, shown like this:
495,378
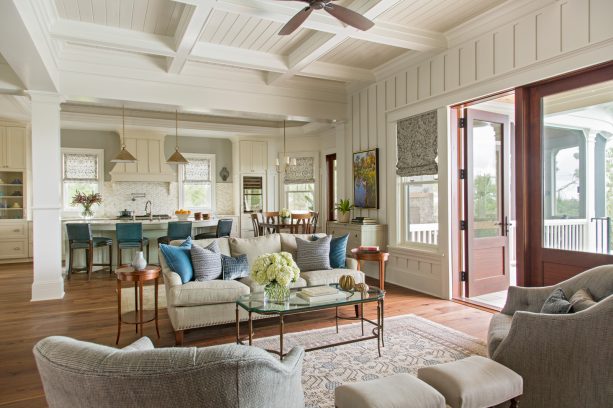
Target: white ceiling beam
320,44
383,33
190,29
112,37
238,57
24,45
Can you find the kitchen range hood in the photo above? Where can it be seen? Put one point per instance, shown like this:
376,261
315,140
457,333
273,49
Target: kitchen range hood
148,147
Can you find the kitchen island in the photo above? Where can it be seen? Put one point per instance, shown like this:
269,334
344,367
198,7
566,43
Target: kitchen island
152,229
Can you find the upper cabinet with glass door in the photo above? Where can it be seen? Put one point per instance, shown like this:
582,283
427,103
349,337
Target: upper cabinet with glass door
577,169
12,171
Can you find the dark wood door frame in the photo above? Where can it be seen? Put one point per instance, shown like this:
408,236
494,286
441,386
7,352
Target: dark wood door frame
330,158
543,266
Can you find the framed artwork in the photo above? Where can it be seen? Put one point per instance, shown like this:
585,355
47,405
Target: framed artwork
366,179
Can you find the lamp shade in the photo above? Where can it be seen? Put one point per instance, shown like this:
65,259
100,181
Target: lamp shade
177,158
124,156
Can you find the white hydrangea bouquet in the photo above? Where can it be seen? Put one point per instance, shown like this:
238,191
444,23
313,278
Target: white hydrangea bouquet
285,215
275,272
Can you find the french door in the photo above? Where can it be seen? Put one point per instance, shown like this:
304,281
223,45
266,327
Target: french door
486,202
565,175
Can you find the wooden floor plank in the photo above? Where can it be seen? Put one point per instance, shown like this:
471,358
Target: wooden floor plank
89,312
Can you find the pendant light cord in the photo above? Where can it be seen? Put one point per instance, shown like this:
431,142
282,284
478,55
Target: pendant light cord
176,130
123,126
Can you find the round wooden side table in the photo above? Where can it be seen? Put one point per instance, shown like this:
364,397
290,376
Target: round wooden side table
380,257
138,316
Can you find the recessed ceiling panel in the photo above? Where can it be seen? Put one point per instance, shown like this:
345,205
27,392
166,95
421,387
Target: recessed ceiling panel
150,16
362,54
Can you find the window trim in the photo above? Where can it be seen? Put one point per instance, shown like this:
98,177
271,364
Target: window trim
68,210
403,242
213,180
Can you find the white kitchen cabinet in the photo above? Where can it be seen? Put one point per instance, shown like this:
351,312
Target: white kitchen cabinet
13,240
253,156
360,235
13,148
151,164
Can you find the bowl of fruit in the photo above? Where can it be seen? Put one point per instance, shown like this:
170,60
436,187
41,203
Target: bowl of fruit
182,214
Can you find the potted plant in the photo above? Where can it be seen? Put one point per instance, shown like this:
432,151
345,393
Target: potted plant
86,201
344,210
275,272
285,215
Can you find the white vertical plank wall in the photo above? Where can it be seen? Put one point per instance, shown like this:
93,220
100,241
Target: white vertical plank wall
561,37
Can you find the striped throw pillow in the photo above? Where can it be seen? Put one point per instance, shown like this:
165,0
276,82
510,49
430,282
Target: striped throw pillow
313,255
206,262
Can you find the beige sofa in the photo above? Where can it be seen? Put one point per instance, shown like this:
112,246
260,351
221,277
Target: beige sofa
209,303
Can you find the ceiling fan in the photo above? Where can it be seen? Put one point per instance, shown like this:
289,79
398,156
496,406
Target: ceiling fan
344,14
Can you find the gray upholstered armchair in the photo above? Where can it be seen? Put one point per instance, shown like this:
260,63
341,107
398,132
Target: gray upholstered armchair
565,360
80,374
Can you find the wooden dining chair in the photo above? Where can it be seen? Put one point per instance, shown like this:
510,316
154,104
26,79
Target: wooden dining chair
314,220
257,228
270,217
301,220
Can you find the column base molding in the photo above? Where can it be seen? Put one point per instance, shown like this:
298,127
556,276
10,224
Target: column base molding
47,290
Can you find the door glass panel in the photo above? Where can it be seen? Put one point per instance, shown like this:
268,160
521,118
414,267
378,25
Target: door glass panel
487,145
577,169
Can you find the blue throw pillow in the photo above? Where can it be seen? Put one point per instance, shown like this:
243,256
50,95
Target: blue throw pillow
234,268
338,251
179,260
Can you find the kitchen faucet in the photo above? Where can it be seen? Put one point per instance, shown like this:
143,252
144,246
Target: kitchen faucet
148,204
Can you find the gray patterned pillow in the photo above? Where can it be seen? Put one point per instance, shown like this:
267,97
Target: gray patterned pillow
234,268
556,303
313,255
206,262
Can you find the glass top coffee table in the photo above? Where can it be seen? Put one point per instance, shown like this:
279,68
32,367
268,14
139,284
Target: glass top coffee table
255,303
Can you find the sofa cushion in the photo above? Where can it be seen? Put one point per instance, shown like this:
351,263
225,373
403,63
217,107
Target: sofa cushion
581,300
224,244
313,255
257,288
234,268
556,303
326,277
254,247
288,241
206,293
206,262
338,251
179,260
498,330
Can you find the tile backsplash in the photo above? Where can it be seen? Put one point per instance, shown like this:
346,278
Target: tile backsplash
164,198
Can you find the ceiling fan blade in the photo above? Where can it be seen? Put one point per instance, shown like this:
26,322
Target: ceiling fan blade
349,17
296,21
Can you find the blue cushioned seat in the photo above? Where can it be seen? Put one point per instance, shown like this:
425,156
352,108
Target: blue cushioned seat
130,235
80,237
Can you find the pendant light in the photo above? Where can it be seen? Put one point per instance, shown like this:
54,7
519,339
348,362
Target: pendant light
123,156
288,161
177,157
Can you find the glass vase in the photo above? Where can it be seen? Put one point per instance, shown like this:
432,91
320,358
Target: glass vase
87,212
275,293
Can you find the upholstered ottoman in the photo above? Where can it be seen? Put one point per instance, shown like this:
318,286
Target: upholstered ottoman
397,391
474,382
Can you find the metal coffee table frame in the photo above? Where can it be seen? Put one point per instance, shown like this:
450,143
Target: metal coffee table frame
354,298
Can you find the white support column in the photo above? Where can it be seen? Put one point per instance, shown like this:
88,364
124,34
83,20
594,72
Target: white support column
46,196
236,178
590,191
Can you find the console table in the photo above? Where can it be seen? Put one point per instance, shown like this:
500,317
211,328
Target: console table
360,234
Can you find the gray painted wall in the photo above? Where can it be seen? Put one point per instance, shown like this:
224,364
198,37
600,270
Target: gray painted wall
93,139
109,142
221,148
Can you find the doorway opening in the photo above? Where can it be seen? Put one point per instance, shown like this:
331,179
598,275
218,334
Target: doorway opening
486,200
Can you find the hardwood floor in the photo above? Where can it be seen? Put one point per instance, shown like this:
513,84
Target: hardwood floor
89,312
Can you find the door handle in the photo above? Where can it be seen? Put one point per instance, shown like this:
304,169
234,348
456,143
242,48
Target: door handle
505,225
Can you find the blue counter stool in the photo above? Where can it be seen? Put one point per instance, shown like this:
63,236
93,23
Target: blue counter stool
80,237
224,228
130,235
176,230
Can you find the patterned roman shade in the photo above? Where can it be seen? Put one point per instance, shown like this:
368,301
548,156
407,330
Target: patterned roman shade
197,170
80,167
303,172
417,145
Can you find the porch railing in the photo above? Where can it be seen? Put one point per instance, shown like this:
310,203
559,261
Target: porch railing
568,234
424,233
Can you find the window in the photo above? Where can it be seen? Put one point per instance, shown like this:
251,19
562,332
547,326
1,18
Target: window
420,209
197,183
81,171
300,197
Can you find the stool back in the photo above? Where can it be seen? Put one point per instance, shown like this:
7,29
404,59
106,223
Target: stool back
79,232
129,232
179,229
224,227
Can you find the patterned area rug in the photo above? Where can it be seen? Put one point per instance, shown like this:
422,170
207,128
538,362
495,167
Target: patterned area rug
411,342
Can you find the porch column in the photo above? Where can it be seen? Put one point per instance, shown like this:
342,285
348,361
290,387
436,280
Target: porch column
236,179
590,191
46,196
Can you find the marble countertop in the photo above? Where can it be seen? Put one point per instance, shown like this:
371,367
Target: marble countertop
100,223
